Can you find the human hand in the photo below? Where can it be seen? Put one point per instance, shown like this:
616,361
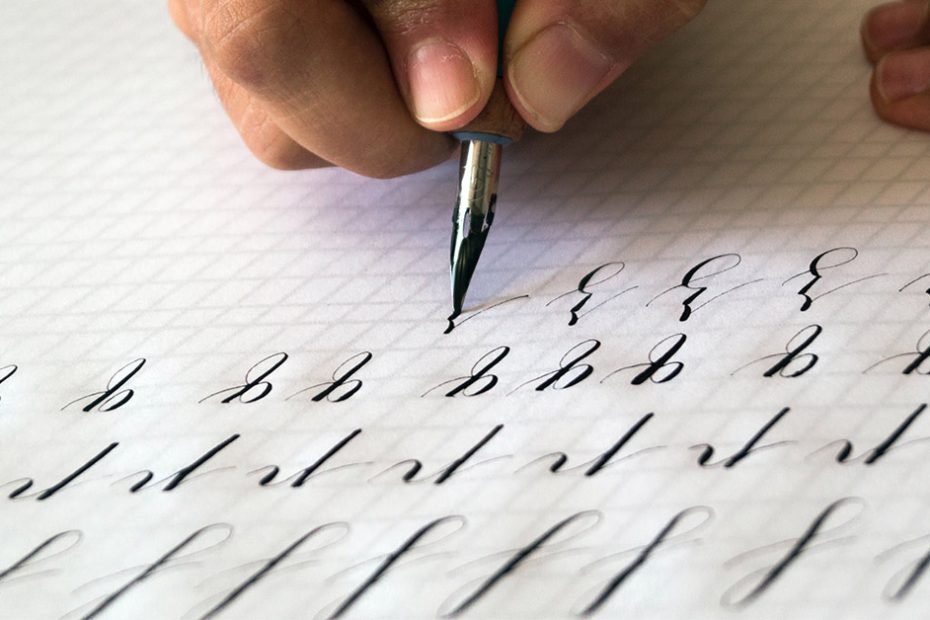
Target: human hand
896,38
369,85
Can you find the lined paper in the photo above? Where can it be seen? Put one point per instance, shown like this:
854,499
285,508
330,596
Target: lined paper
226,392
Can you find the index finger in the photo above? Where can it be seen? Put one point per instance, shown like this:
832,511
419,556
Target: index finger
321,72
444,55
562,53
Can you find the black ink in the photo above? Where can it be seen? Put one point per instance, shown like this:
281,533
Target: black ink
151,568
915,281
230,598
842,256
342,378
588,282
919,569
879,451
794,553
184,472
664,535
206,456
658,360
451,320
794,352
25,486
914,572
513,563
28,482
604,459
415,466
479,375
8,371
257,382
921,354
114,396
457,463
304,475
388,562
558,462
748,447
37,552
411,466
696,275
569,367
47,493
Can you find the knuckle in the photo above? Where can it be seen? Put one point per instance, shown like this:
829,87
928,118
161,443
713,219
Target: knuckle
240,37
282,153
270,145
279,154
403,16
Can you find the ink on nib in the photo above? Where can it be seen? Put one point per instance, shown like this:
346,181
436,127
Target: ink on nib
479,170
464,261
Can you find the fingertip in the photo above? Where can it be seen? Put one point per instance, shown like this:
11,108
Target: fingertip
893,26
563,53
444,56
911,111
528,114
281,152
446,88
872,53
554,72
902,74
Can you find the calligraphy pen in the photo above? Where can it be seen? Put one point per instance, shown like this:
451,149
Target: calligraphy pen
483,141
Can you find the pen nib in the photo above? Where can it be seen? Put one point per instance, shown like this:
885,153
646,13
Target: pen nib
464,261
479,170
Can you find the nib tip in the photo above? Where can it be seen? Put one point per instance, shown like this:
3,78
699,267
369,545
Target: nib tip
473,214
459,290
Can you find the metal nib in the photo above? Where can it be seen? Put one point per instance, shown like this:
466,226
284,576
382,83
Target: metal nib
479,170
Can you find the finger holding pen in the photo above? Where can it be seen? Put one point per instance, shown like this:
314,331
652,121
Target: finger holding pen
318,73
444,56
561,53
374,86
896,39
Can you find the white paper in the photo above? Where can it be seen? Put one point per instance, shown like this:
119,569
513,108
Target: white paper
138,237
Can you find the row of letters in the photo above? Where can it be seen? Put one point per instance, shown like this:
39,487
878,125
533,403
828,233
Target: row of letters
663,364
617,568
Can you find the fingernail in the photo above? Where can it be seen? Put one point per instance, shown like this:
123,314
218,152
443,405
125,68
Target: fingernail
891,25
443,82
903,74
555,73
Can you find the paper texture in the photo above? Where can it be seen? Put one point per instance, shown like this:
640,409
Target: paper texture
694,389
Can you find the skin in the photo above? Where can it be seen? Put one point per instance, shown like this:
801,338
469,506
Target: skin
896,39
373,85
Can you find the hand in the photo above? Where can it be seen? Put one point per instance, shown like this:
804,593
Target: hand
370,85
896,37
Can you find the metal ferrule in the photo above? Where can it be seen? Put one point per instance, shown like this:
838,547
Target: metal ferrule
479,170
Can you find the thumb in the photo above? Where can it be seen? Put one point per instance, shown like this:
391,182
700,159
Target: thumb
561,53
444,55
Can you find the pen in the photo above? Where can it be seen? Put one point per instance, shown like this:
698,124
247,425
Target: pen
483,141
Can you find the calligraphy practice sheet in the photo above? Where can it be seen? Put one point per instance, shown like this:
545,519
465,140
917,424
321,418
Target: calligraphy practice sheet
691,381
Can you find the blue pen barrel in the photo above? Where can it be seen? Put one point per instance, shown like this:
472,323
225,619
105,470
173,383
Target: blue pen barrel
499,123
504,13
